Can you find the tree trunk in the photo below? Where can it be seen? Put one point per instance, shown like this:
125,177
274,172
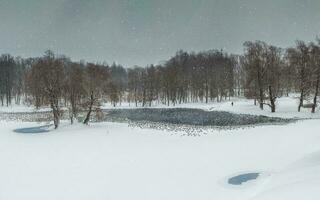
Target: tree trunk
143,97
302,78
261,99
272,100
207,91
301,100
73,108
56,118
71,119
87,119
315,95
260,91
55,112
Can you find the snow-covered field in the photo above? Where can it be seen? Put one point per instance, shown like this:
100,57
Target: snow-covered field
118,162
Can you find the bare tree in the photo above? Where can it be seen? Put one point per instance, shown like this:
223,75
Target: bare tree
46,80
75,88
273,75
7,78
299,58
96,80
255,65
315,62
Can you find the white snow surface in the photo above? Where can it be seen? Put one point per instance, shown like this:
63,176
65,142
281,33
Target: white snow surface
116,162
22,108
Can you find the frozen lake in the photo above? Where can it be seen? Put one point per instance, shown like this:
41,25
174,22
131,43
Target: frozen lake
182,116
188,116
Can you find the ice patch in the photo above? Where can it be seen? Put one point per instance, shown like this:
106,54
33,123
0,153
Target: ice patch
239,179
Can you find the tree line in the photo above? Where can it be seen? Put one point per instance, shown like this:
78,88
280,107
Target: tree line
269,72
263,73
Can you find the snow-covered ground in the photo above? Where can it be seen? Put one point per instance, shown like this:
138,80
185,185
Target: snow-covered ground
22,108
118,162
114,161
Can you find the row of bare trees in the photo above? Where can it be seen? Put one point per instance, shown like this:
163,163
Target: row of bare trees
304,61
268,72
262,65
58,82
263,73
184,78
11,79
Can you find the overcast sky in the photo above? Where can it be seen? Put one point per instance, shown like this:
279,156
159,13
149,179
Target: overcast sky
140,32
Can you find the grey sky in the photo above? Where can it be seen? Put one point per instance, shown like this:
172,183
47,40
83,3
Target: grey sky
140,32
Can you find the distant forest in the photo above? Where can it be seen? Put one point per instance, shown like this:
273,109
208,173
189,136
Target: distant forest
262,73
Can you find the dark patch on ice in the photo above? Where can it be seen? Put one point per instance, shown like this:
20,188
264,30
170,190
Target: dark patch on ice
38,129
238,180
163,117
189,116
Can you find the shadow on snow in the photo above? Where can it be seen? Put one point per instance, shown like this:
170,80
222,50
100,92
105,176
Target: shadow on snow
38,129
